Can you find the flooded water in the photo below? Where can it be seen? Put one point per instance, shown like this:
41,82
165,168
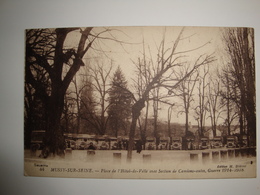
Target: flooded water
146,156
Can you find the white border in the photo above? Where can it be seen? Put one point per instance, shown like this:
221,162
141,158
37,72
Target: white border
17,15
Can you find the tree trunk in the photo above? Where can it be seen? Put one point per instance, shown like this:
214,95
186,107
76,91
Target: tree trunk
136,111
186,123
54,140
145,124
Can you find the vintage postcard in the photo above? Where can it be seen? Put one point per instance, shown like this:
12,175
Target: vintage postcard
140,102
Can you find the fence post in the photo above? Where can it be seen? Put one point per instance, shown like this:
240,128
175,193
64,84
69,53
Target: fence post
147,158
68,153
252,151
117,157
231,153
237,152
91,154
223,155
215,156
194,157
205,157
243,152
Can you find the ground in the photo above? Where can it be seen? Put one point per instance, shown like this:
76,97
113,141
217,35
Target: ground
147,164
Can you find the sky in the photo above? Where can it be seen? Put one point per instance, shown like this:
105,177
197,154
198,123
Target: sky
132,38
129,47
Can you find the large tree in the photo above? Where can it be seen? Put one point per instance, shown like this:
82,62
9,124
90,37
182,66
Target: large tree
239,44
166,63
52,54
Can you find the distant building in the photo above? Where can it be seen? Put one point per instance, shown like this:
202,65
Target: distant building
209,133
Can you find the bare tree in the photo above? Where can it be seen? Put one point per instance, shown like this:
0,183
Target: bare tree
48,52
167,61
143,71
100,74
185,92
169,117
213,97
156,103
87,114
79,87
201,109
74,96
229,102
239,44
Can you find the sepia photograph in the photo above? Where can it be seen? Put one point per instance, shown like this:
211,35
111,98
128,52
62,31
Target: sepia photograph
140,102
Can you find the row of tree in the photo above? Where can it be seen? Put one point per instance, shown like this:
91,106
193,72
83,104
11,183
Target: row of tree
238,77
99,105
61,94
